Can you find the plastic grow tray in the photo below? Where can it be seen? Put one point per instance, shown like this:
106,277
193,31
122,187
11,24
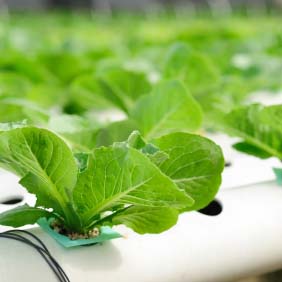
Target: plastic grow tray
106,234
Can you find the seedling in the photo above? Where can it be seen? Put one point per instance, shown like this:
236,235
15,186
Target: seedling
144,186
260,129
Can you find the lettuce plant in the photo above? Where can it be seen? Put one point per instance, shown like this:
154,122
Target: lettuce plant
168,108
142,185
260,130
110,86
195,69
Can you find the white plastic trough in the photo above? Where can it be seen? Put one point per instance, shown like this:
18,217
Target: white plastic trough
244,240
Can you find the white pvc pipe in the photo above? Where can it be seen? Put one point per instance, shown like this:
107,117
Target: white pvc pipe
244,240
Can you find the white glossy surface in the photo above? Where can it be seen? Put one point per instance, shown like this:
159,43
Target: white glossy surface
244,239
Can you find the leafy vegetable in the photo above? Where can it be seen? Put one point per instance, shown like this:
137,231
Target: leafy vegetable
12,109
170,108
13,85
147,219
123,87
115,132
44,163
167,76
119,177
23,215
259,128
194,163
80,132
121,184
195,69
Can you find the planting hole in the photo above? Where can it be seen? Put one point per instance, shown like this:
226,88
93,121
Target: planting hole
13,200
212,209
228,164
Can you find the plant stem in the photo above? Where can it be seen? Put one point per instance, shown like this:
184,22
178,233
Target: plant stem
106,218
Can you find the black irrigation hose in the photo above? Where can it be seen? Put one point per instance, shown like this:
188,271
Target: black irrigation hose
44,249
40,247
40,251
47,257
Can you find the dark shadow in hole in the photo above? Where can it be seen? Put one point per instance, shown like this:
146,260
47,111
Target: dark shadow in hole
212,209
13,200
228,164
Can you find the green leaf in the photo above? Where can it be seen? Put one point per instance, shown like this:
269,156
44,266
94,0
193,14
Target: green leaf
82,161
147,219
123,87
230,93
158,157
13,85
176,59
169,108
86,93
195,164
12,109
244,147
136,141
258,126
112,96
115,132
195,69
121,175
63,65
22,65
80,132
22,215
272,115
48,95
46,165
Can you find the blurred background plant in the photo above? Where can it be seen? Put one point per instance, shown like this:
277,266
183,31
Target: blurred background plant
69,65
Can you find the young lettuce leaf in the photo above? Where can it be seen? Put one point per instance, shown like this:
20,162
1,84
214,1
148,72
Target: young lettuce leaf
111,86
194,69
120,175
45,164
193,162
12,109
115,132
123,87
260,129
22,215
147,219
80,132
85,93
169,108
13,85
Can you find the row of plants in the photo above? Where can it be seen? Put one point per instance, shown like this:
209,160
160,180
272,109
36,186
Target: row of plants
170,78
85,63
